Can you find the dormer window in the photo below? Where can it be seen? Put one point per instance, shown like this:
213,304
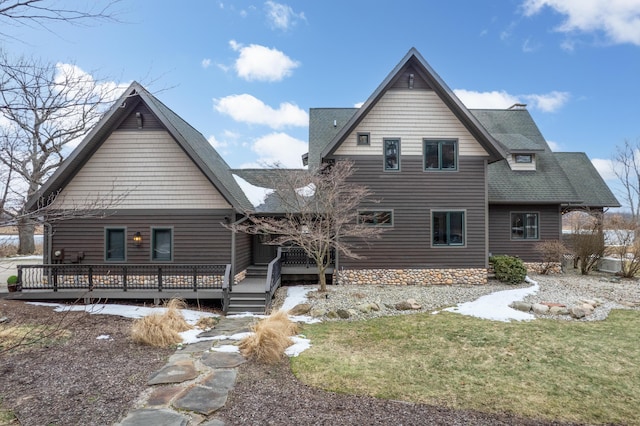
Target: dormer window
524,158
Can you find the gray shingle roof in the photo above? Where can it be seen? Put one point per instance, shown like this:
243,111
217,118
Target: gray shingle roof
192,141
517,131
322,131
586,180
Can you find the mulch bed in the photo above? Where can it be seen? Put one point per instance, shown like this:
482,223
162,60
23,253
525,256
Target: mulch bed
90,381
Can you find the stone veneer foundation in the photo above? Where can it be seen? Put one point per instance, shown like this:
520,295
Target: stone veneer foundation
475,276
538,267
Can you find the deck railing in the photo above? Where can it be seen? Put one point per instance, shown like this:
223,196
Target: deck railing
274,277
296,256
123,277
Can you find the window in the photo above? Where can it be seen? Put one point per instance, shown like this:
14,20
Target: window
524,158
376,217
114,244
440,154
363,138
162,244
524,226
392,154
448,228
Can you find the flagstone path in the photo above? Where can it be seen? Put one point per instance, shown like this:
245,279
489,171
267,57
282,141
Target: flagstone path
194,383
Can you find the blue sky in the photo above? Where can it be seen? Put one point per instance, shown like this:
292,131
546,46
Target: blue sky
245,73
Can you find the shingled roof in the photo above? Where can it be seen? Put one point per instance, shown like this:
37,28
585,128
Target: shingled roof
192,142
586,180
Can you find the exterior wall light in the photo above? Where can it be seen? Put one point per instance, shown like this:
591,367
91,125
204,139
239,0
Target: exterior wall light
137,239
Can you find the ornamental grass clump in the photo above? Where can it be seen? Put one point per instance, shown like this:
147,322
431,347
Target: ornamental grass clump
271,336
161,330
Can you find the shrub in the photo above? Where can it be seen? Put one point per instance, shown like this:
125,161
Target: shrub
509,269
13,279
161,330
271,336
551,252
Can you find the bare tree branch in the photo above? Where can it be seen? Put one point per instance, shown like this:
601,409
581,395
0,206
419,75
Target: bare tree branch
319,214
45,108
626,163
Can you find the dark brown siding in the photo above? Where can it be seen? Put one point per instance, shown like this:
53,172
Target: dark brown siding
412,194
198,236
500,230
149,120
243,251
403,80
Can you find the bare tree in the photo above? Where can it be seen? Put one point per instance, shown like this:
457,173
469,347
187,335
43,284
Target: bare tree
587,241
42,13
626,166
320,214
44,108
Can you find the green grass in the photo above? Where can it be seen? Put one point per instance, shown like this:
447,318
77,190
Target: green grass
555,370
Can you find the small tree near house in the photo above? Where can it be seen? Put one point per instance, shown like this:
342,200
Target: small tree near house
319,214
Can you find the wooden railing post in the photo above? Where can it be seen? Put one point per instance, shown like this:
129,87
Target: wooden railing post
90,278
159,278
124,278
54,270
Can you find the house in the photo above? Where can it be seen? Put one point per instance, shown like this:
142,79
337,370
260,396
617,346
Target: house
456,185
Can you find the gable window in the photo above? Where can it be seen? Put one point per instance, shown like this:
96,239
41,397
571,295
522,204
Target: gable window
440,154
392,154
114,244
162,244
376,217
363,138
447,228
524,226
524,158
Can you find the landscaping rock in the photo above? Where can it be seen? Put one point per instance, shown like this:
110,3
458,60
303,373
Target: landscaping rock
577,312
539,308
521,306
343,313
300,309
332,315
558,310
318,312
407,305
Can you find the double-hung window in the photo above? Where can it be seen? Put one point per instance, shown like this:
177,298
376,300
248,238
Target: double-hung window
524,226
392,154
448,228
440,154
162,244
376,217
115,244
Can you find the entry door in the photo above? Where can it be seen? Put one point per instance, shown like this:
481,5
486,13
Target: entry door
263,253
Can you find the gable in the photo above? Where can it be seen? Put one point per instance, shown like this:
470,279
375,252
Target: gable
410,115
149,167
423,79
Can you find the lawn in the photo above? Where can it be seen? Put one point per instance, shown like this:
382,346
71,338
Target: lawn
546,369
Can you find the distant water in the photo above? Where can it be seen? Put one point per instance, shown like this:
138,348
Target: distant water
13,239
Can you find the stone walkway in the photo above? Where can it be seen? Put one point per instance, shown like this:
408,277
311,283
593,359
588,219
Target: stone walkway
194,383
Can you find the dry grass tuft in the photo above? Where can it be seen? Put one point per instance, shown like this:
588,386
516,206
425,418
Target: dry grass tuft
271,337
161,330
173,317
207,322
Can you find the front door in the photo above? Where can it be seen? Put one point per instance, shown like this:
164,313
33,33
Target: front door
263,253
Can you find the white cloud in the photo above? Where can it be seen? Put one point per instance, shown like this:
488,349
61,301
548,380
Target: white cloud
260,63
280,148
358,104
549,102
249,109
605,168
619,20
282,16
206,63
486,100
